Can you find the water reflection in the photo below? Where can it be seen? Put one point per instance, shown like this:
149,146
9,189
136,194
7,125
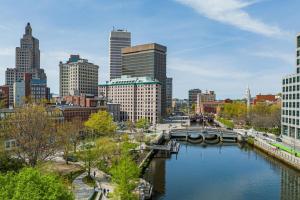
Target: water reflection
222,172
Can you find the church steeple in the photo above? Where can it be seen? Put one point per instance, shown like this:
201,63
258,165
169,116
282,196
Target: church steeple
28,30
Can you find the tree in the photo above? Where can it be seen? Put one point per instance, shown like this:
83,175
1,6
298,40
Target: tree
101,123
89,155
143,123
125,174
130,126
30,184
34,131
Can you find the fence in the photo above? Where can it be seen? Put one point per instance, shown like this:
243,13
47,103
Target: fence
279,154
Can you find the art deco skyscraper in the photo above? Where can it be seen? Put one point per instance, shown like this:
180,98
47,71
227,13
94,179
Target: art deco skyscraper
27,62
118,39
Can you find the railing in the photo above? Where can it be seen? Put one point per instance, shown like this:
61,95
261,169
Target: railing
291,159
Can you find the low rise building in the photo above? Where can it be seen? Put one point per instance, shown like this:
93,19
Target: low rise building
267,98
139,97
84,101
204,99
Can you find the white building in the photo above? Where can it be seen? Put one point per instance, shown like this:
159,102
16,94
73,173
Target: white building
290,115
139,97
78,76
19,93
118,39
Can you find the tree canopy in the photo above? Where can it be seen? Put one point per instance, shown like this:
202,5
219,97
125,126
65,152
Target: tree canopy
101,123
34,131
30,184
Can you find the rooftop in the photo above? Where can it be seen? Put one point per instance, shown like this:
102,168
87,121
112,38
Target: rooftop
128,80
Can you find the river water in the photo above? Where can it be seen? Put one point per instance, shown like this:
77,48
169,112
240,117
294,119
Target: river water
216,172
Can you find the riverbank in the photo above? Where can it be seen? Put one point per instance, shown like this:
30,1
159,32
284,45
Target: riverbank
274,152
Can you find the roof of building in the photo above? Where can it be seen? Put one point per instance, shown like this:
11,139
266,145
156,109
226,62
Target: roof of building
144,47
128,80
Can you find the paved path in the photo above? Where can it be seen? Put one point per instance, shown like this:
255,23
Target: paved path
81,190
103,181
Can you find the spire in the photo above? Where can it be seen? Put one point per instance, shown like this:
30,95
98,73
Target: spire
28,30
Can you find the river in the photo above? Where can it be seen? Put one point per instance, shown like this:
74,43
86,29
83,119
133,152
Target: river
216,172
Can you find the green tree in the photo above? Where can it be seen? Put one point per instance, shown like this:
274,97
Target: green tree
30,184
143,124
125,174
101,123
89,155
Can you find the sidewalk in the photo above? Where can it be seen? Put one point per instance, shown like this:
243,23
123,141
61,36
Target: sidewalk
81,190
103,181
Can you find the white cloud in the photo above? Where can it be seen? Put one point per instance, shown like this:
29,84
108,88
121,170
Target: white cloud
231,12
288,58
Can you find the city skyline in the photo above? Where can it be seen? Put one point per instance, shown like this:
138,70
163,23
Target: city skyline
251,50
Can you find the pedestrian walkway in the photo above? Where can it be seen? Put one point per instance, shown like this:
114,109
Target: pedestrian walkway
103,181
81,190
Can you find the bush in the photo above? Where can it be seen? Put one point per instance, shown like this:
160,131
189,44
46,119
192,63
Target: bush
8,163
30,184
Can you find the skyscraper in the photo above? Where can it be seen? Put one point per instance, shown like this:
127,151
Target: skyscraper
147,60
78,76
169,93
27,61
118,39
193,96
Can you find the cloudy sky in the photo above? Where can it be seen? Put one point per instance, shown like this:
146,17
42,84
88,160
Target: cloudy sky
221,45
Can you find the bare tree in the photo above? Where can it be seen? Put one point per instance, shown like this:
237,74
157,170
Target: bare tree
35,132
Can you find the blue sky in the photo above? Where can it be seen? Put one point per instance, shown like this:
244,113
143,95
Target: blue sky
221,45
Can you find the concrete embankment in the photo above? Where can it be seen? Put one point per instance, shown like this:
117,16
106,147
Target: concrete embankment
283,156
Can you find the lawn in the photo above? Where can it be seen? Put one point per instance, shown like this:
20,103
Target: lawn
287,149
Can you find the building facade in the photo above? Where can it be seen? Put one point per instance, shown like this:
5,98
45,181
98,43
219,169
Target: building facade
78,76
19,93
27,62
147,60
290,114
139,97
193,96
203,99
169,94
118,39
4,96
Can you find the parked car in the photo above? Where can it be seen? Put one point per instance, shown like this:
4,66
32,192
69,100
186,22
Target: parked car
278,139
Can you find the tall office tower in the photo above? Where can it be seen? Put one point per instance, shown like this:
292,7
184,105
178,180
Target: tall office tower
27,61
169,93
147,60
118,39
290,109
78,76
138,97
193,96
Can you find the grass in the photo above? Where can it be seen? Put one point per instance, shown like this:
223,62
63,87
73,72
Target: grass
287,149
89,181
68,172
226,122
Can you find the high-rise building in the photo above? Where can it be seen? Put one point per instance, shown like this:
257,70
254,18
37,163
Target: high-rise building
290,115
19,93
78,76
118,39
147,60
138,97
27,61
193,96
169,93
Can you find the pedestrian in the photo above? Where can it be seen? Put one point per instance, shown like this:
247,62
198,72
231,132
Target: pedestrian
94,173
104,191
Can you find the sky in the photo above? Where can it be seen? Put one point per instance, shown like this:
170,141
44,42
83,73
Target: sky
220,45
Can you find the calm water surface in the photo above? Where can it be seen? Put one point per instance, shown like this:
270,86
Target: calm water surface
222,173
